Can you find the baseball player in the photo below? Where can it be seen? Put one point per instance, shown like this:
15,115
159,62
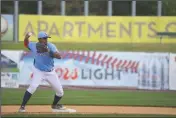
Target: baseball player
43,69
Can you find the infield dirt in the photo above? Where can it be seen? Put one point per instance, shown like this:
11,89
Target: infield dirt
46,109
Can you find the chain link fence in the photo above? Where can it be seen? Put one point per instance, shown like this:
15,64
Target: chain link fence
95,7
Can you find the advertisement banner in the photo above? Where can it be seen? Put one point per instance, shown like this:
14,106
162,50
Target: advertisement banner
80,72
9,79
172,72
6,27
109,69
98,29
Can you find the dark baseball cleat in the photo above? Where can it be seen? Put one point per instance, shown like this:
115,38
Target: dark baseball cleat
58,107
61,108
22,109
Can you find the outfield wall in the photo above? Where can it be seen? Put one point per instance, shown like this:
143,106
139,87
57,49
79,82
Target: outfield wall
104,29
153,71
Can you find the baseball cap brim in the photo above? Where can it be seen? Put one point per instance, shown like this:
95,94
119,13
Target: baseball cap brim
46,37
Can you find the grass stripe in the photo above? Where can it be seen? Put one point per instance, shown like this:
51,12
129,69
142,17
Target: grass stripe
137,47
93,97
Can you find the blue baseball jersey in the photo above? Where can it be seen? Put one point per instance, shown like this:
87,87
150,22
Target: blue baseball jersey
43,61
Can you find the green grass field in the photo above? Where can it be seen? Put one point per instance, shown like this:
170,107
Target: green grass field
93,97
102,46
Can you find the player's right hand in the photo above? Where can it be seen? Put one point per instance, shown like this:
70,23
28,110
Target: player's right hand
28,35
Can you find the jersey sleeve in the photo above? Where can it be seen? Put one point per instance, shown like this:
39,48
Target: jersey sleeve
32,46
53,48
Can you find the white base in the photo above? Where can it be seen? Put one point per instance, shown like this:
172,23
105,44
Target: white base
64,110
22,111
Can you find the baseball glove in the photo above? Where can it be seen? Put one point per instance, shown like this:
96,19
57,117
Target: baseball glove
41,48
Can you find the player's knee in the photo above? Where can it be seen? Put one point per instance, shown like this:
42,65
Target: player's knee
32,88
60,93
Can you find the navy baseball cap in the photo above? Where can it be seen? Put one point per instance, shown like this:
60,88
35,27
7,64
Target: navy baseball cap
43,34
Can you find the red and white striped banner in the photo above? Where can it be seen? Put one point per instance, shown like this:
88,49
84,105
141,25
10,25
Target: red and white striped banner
100,59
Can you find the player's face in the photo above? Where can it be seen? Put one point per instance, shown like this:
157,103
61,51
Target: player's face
43,40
